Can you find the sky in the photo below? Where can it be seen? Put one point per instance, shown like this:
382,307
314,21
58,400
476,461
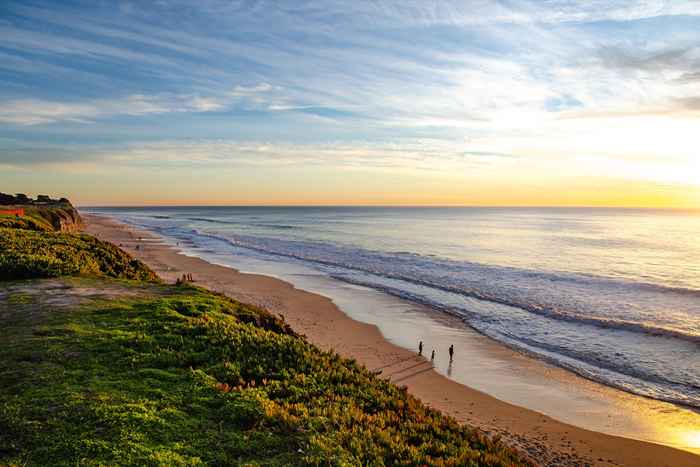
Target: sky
410,102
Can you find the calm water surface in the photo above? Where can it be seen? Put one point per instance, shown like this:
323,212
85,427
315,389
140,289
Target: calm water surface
611,294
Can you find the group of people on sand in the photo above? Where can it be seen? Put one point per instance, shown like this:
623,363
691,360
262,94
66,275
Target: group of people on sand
187,277
450,350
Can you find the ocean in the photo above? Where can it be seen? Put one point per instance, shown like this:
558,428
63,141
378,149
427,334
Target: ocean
610,294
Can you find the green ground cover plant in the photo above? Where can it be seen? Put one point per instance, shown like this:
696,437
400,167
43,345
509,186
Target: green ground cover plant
182,376
24,222
26,254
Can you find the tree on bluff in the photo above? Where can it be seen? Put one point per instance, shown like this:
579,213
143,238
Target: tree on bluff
6,199
21,198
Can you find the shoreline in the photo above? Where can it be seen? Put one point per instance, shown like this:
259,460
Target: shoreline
545,439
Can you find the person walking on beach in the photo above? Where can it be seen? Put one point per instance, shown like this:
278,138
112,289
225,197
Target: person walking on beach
451,351
420,348
432,356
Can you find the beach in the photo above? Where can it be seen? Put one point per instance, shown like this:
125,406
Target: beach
545,439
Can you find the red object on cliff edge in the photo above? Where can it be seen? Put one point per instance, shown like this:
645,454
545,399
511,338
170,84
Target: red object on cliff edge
12,212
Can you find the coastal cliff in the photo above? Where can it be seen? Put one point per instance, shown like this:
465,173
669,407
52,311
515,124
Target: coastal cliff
63,218
43,213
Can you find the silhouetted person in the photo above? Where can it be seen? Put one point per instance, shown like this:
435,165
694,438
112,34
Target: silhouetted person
420,348
452,351
432,356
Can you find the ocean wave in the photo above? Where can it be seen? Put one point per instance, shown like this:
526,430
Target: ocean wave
212,221
275,226
642,383
426,264
257,224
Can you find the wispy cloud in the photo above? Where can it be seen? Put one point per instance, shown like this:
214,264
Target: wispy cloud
673,58
34,112
417,154
348,82
357,57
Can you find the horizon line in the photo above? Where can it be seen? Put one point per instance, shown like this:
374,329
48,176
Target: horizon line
493,206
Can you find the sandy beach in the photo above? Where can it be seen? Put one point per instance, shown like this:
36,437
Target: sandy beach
546,440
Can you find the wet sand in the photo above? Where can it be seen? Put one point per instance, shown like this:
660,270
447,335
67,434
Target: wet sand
546,440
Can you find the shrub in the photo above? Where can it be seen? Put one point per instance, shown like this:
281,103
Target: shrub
25,223
26,254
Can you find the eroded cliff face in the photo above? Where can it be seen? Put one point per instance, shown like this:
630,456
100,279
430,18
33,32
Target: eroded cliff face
66,219
61,217
42,213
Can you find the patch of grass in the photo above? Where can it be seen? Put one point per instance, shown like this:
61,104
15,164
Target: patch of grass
24,222
193,378
28,254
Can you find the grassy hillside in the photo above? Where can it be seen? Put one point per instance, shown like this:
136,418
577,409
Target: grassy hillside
180,376
28,254
25,222
39,244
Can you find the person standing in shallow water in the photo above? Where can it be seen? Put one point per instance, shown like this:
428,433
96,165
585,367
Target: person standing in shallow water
420,348
452,351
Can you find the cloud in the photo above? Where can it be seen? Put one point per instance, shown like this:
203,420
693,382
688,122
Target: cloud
250,90
615,10
24,40
418,154
205,104
392,13
690,77
509,77
674,58
690,103
35,111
